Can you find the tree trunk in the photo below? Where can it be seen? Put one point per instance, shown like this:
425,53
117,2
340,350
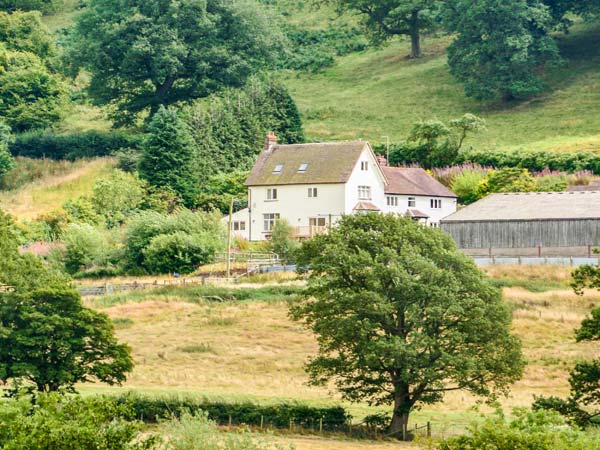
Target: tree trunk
415,35
399,424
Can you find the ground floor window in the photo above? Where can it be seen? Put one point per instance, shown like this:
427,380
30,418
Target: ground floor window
435,203
317,222
239,225
392,200
269,221
412,202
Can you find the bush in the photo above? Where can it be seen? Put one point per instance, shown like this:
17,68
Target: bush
46,144
466,185
153,409
535,161
186,231
192,432
179,252
283,242
117,197
75,423
537,430
84,247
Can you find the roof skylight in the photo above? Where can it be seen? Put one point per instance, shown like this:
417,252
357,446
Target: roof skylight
302,168
278,168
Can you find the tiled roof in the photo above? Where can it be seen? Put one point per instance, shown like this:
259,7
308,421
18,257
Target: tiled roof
365,206
416,214
325,163
531,206
414,181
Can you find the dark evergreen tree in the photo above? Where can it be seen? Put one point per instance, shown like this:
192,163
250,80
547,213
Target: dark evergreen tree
168,156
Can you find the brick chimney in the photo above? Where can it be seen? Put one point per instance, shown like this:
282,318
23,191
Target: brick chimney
270,141
381,160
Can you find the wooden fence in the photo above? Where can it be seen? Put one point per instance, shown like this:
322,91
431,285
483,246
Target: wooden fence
113,288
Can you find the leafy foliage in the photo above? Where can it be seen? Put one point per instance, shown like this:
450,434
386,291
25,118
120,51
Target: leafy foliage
153,241
501,47
117,196
229,132
219,189
30,5
283,241
537,430
85,247
7,162
401,316
384,19
70,422
168,156
169,52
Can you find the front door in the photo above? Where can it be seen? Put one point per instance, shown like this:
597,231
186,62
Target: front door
317,225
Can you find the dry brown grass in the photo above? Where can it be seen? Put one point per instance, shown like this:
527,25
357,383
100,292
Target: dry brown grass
51,192
256,352
546,273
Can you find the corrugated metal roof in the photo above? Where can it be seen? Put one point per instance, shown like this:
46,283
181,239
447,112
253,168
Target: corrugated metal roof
413,181
531,206
326,163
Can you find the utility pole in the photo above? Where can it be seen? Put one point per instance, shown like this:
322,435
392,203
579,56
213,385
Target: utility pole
387,153
229,240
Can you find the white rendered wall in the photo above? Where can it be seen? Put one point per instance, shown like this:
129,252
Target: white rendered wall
371,177
294,205
423,204
240,216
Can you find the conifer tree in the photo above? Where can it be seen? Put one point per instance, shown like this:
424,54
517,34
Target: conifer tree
168,156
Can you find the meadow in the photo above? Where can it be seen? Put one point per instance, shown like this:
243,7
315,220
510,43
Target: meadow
248,348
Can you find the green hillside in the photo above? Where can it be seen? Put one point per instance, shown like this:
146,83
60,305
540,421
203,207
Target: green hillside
380,92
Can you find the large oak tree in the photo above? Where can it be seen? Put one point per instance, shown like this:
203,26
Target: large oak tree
142,54
401,316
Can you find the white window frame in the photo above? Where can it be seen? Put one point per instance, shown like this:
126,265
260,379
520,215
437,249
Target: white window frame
364,193
313,192
364,165
278,168
435,203
392,200
303,168
412,202
239,225
269,220
272,194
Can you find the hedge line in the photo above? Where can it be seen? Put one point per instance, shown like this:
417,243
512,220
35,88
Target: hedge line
151,409
45,144
534,160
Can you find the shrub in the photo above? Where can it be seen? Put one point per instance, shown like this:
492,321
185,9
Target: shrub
551,183
466,185
75,423
117,197
85,247
153,409
197,431
282,240
537,430
186,231
508,179
179,252
81,210
46,144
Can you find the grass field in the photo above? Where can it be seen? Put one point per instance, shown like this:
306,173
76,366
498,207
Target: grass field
250,350
54,188
380,92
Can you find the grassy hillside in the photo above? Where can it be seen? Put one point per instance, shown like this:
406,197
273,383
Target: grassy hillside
251,350
380,92
54,187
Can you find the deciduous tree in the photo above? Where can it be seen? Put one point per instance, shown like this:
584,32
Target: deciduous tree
144,54
401,316
501,47
384,19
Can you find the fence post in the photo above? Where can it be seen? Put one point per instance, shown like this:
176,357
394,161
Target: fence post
428,429
262,421
321,425
230,420
291,424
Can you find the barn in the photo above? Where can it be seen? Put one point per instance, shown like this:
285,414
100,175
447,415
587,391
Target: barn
528,224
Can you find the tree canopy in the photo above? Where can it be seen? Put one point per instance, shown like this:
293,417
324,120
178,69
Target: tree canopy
48,339
500,47
387,18
144,54
402,317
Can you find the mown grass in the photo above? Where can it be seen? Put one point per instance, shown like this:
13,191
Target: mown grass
381,92
51,191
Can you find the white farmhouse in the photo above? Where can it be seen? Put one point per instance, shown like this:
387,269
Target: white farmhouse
314,185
